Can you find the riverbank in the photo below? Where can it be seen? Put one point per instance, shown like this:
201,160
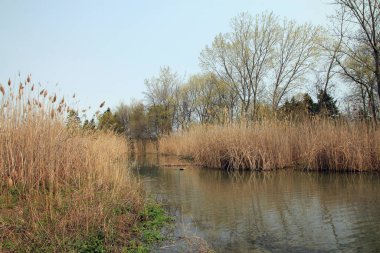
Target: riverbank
321,145
65,189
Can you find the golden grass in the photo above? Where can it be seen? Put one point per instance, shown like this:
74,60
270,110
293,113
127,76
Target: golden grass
315,145
60,188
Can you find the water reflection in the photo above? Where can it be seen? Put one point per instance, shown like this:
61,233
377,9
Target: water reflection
285,211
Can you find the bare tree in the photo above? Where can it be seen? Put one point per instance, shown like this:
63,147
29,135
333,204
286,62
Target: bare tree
327,67
296,51
364,16
208,97
162,98
160,89
122,117
331,48
359,56
241,57
357,71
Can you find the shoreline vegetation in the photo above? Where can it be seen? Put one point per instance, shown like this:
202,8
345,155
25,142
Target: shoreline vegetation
315,145
65,189
266,99
271,93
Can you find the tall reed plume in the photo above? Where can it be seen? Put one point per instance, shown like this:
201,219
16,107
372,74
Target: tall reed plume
58,185
318,144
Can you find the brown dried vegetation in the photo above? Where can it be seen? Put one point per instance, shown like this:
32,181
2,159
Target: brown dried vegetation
57,187
318,144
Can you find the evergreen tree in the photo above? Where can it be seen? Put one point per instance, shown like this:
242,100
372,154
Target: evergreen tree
89,125
107,121
299,108
326,104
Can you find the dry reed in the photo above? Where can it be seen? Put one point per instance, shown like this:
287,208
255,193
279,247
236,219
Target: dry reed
59,186
314,145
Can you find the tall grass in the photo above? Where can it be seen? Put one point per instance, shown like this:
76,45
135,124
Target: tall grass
61,189
315,145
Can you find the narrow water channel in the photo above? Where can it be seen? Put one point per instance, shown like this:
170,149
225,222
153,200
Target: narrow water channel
283,211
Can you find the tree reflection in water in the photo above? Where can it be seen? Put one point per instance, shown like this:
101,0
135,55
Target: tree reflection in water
269,211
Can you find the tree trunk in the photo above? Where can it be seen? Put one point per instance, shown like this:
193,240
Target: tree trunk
373,108
377,71
254,116
363,97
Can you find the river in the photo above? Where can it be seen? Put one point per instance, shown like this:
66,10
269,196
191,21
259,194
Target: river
279,211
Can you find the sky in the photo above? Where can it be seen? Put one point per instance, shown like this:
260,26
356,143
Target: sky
104,50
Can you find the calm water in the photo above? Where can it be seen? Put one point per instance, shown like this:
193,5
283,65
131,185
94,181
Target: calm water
285,211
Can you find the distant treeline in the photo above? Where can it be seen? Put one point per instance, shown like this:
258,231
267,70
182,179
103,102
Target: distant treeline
266,67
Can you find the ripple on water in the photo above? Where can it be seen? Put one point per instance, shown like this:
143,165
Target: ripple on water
272,212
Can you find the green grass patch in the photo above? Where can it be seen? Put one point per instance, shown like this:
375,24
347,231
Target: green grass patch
31,227
152,220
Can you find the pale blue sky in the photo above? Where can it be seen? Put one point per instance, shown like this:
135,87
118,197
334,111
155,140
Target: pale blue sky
103,50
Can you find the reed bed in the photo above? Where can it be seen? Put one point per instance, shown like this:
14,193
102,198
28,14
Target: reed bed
62,189
318,144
